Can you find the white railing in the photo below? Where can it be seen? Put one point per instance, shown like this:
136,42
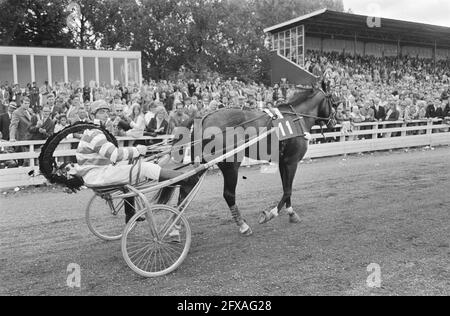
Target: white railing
377,136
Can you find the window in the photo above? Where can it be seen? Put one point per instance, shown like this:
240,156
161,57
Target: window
23,70
105,71
119,70
89,70
57,69
290,44
40,69
6,69
73,66
133,71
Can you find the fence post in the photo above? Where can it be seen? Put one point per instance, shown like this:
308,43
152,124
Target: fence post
429,131
342,138
32,159
375,131
403,126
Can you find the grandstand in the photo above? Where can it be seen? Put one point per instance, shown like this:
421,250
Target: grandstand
23,65
331,31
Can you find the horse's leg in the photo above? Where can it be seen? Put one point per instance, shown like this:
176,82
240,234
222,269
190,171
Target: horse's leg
267,216
230,175
291,170
288,168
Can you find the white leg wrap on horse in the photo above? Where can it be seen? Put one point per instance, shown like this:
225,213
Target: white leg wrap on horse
290,211
308,136
274,212
244,228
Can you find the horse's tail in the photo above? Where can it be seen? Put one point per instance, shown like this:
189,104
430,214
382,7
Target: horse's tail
166,194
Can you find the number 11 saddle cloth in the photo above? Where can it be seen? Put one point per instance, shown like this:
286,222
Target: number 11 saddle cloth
288,127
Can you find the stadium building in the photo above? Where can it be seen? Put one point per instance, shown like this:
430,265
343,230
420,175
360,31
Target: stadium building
331,31
24,65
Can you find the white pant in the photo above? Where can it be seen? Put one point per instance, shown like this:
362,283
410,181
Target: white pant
120,174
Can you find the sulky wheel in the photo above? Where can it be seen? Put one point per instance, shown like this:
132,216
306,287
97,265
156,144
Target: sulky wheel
156,247
106,217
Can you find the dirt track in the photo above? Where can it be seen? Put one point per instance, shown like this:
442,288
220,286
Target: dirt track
389,209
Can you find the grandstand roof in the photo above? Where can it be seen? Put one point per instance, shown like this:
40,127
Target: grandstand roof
326,23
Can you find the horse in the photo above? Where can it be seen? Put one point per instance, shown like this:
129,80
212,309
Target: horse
311,106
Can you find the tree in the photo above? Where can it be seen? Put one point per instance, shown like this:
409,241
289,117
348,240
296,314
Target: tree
34,23
222,36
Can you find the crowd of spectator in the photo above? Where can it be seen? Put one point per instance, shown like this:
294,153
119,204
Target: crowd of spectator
369,89
384,89
154,108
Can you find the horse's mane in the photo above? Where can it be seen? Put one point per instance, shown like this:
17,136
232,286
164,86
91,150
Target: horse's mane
300,96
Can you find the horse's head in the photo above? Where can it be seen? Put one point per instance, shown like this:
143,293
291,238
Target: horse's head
316,103
327,110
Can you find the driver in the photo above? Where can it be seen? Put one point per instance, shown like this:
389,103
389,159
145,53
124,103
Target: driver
101,163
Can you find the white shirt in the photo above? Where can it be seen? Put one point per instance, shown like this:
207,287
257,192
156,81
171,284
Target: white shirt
138,123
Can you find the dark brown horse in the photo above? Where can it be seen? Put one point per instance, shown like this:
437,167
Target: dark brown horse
313,106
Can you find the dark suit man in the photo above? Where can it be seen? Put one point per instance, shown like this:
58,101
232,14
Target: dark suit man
380,113
34,97
393,114
21,122
5,121
157,126
154,130
42,125
440,113
431,110
447,110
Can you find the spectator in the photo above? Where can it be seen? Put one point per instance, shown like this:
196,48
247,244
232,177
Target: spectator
45,90
83,115
355,115
431,109
178,117
61,124
150,113
393,114
447,108
21,122
137,119
5,121
4,95
42,125
379,110
34,97
74,108
158,125
367,112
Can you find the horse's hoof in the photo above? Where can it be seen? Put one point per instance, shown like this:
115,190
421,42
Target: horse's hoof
294,218
265,217
247,233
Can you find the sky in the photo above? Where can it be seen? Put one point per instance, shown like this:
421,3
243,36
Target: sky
424,11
